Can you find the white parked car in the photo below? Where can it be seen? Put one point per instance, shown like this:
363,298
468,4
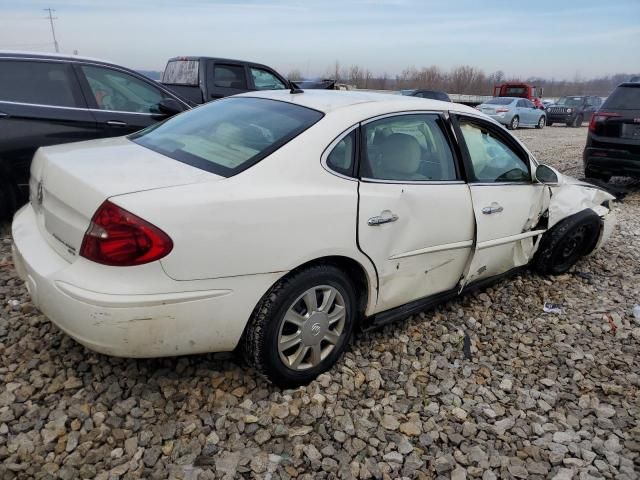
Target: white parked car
280,222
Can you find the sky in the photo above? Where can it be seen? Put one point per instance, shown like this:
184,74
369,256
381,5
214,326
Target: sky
561,39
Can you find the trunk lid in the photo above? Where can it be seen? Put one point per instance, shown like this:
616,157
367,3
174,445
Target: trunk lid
69,182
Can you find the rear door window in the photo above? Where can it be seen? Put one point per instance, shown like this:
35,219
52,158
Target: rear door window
230,135
181,72
229,76
40,83
623,98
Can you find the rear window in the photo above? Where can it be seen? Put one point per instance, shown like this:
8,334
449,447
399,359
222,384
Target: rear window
181,72
499,101
623,98
230,135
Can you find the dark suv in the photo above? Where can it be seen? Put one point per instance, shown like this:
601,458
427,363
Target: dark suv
572,111
613,142
52,99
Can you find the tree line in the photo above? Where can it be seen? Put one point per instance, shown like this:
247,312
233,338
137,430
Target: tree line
463,79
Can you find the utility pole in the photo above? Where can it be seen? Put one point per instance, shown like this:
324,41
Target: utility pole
53,30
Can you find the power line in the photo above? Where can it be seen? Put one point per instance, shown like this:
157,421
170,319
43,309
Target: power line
53,30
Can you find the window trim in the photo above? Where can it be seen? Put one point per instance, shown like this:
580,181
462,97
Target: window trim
501,134
443,117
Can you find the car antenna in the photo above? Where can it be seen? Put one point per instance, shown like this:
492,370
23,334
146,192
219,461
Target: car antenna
294,88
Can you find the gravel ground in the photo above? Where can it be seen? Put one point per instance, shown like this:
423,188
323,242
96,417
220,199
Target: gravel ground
542,396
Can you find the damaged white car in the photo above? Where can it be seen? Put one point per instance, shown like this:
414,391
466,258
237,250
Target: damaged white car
279,222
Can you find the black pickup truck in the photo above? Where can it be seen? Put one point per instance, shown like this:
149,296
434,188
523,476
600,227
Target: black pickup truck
202,79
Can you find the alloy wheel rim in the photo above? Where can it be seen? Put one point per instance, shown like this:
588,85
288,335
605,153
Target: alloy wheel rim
312,327
541,122
515,122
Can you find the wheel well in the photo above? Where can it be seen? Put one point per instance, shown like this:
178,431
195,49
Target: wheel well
352,268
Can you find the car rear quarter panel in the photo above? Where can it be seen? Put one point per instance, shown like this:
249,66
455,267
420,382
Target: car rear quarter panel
279,214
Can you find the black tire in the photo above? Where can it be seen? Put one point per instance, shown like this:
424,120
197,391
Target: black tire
596,176
549,124
577,122
260,341
568,241
542,121
8,198
513,124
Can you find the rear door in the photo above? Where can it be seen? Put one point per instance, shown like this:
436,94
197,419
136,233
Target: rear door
415,217
226,78
41,104
507,204
121,103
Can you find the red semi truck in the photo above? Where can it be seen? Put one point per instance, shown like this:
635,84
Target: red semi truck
518,89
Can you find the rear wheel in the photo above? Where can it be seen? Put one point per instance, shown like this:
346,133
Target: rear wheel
597,176
541,122
513,124
8,198
302,326
567,242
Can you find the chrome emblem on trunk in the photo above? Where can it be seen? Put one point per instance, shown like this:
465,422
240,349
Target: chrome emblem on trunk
39,193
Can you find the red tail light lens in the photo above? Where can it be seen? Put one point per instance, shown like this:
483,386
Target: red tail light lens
600,117
119,238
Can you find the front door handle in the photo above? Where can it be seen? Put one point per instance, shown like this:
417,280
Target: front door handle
493,208
116,123
385,217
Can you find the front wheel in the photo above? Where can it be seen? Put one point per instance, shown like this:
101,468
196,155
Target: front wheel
549,124
513,124
302,326
568,241
541,122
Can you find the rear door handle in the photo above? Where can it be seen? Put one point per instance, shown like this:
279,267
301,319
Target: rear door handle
116,123
385,217
493,208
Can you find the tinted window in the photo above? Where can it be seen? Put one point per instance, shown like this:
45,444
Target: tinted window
119,91
341,157
229,135
229,76
181,72
407,148
492,160
623,98
43,83
264,80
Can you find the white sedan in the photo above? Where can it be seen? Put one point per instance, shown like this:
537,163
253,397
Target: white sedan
279,222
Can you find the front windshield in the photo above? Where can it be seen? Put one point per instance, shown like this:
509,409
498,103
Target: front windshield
229,135
570,101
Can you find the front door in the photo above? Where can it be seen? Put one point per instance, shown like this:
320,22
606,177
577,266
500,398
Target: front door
415,217
121,102
508,205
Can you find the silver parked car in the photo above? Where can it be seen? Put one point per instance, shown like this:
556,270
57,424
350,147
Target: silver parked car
514,112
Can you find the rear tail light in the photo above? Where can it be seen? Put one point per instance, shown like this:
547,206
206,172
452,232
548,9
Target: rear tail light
501,110
119,238
599,118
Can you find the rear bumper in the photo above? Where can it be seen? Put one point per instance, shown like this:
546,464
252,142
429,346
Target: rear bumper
193,317
608,161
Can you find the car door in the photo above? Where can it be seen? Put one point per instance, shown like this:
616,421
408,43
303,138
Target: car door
508,205
415,218
225,79
532,111
40,104
120,102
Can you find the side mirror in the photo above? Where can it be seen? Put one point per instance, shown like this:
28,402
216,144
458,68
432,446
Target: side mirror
169,106
547,175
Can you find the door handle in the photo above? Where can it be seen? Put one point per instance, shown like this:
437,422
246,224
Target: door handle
384,217
493,208
2,114
116,123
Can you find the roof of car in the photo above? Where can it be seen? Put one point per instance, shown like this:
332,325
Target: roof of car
218,59
54,56
329,100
